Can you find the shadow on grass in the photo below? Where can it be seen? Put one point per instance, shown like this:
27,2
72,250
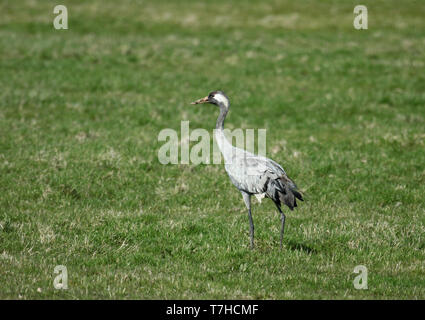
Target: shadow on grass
301,247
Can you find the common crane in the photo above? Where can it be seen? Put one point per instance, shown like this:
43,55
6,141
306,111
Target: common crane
252,174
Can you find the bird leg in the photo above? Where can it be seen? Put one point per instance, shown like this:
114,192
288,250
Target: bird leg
247,200
251,226
282,219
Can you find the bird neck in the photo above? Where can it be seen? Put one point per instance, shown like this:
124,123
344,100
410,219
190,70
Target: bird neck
220,120
223,144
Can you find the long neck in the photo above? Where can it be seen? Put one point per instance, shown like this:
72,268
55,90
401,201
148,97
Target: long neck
220,120
224,145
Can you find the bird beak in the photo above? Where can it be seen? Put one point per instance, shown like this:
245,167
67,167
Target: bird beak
203,100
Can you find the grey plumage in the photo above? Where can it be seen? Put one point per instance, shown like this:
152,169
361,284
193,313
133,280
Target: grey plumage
252,174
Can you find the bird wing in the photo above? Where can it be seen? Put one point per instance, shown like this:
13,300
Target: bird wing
262,176
251,173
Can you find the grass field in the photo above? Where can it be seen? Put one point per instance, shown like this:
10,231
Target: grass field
80,180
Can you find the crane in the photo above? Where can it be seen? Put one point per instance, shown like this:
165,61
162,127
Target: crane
252,174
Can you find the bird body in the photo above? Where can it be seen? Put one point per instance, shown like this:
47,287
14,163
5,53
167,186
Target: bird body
260,176
252,174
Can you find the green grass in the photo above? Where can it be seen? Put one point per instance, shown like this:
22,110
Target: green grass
81,184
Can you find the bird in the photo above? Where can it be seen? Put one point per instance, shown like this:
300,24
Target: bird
252,174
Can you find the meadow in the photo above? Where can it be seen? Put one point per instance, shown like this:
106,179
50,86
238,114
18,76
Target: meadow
81,184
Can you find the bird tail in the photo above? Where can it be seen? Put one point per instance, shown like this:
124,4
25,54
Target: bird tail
287,192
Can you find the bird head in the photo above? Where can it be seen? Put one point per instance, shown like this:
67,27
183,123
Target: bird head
218,98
